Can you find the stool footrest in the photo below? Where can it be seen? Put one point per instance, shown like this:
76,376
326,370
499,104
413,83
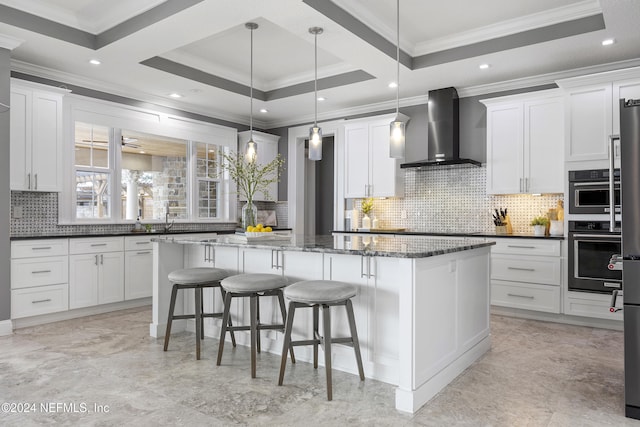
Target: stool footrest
345,341
259,328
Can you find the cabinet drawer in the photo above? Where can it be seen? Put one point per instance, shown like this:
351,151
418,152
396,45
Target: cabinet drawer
529,269
92,246
527,247
39,300
526,296
138,243
39,248
30,272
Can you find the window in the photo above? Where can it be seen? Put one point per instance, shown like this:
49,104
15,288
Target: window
121,175
92,174
153,176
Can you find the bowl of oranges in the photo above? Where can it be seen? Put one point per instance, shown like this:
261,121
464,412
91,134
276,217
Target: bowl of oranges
257,231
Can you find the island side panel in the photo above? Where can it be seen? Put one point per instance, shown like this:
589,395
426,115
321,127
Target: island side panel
167,257
444,323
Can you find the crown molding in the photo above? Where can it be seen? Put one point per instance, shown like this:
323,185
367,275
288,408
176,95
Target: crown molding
513,26
545,79
8,42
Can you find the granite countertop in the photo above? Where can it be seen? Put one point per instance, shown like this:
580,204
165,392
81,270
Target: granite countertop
387,246
480,234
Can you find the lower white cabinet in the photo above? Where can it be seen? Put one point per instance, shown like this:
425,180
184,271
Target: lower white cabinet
138,267
527,274
96,277
39,277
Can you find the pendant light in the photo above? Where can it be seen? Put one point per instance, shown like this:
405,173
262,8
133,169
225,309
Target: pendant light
315,132
397,127
251,149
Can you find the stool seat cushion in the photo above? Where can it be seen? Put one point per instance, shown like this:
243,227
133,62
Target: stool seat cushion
200,275
319,291
253,282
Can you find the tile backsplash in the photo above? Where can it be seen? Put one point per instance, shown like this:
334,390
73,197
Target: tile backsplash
455,200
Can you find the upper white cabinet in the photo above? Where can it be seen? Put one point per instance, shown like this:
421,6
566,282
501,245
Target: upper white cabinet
267,151
593,111
36,137
369,171
525,140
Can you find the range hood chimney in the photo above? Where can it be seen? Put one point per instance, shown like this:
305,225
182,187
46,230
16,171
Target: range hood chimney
443,131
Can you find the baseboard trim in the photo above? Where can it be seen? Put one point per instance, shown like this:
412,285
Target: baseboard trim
6,327
558,318
78,312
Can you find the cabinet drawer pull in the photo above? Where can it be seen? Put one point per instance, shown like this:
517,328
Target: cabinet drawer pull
41,300
143,253
521,269
41,271
521,296
143,243
41,248
521,247
93,245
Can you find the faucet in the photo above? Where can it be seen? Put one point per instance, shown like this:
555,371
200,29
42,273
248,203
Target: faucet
167,226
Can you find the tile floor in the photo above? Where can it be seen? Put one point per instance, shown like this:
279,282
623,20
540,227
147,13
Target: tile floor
536,374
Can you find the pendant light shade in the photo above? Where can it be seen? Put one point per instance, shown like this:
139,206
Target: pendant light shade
397,127
315,132
251,149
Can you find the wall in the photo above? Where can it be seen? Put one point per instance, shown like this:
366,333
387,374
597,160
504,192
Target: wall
5,244
455,200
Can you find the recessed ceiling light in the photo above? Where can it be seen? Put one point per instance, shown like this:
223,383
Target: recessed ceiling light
321,98
141,152
264,110
393,85
175,95
484,66
94,62
608,42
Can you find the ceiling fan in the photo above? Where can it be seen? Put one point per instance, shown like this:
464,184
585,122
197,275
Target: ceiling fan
124,141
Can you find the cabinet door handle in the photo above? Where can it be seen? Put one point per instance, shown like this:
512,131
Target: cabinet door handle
41,271
143,243
521,269
101,259
521,247
143,253
35,187
41,300
29,181
520,186
41,248
362,273
93,245
526,185
369,275
521,296
96,256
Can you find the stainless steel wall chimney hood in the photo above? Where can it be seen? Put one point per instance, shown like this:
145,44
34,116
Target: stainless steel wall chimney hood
443,131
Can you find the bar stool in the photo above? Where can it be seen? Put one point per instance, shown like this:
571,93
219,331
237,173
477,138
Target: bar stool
196,279
252,286
325,294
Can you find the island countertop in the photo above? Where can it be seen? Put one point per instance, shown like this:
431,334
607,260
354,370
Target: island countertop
396,247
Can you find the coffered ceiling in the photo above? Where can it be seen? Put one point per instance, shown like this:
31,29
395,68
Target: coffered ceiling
200,49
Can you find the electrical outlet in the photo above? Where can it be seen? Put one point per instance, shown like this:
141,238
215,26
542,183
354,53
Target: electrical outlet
403,214
17,212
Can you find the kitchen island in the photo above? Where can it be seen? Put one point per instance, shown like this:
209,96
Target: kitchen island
422,308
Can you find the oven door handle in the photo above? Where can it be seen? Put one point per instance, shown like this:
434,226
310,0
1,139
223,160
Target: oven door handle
612,189
597,236
594,184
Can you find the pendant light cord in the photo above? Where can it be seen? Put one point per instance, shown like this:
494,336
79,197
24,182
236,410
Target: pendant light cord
398,57
251,90
315,81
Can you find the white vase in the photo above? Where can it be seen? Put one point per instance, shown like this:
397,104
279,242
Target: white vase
538,230
375,223
366,222
355,219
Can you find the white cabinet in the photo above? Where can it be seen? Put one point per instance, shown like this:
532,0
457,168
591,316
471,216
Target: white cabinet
267,151
369,171
525,140
96,271
593,112
138,267
526,274
35,137
39,277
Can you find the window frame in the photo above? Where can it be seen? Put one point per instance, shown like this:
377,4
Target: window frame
118,117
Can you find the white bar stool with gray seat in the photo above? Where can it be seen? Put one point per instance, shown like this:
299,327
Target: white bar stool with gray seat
196,279
325,294
252,286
